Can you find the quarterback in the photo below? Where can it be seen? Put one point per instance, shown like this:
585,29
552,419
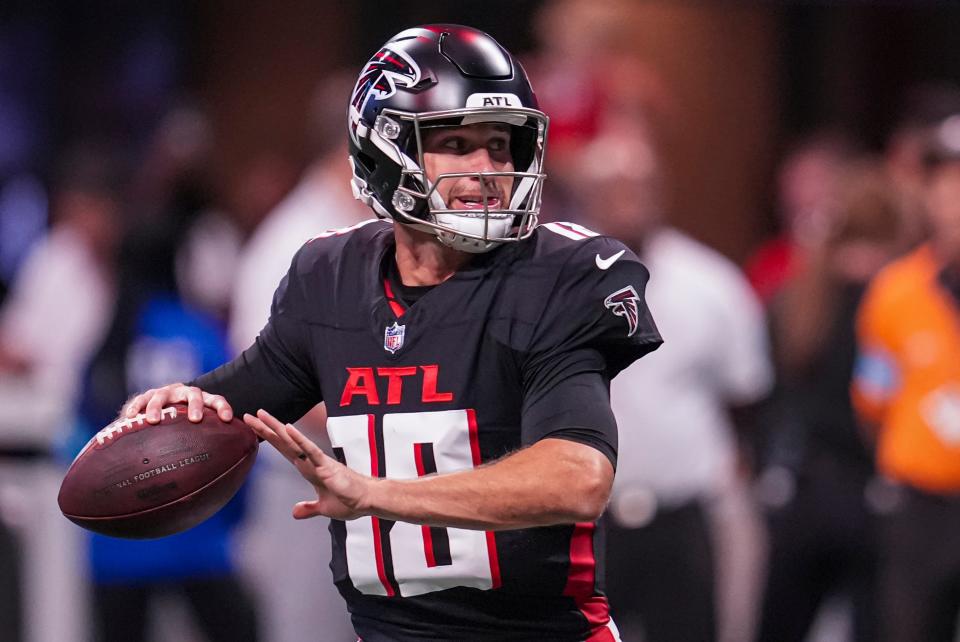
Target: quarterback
464,354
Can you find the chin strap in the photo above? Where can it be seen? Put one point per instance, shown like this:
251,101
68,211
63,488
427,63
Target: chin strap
464,243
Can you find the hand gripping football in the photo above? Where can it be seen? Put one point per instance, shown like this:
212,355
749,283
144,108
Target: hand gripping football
140,481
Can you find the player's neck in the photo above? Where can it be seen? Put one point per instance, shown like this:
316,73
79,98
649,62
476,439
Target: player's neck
422,259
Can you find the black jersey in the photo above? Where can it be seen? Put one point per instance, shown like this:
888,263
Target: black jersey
517,347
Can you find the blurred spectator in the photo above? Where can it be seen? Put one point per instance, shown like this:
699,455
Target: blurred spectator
583,56
907,388
575,39
262,182
56,314
816,476
156,334
321,201
173,186
23,219
677,445
36,339
925,106
806,191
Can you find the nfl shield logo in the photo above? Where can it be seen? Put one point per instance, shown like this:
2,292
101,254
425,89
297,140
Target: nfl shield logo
393,337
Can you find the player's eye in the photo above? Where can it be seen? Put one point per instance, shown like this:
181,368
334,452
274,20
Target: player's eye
453,144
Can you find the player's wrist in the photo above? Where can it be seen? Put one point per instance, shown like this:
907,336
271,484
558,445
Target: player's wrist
373,499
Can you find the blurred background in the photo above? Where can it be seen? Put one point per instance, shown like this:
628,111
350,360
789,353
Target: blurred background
160,162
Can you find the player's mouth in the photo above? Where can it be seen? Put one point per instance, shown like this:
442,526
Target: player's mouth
475,202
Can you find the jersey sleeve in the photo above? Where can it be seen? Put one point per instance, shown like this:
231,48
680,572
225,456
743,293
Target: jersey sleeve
571,400
598,302
276,373
595,323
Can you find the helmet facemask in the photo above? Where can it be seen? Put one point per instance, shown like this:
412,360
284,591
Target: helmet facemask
399,135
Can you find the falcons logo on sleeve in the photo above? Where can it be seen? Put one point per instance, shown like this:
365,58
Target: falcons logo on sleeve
625,303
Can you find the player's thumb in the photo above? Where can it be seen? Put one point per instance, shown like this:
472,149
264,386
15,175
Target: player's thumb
306,510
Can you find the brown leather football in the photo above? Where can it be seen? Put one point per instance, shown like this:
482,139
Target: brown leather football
140,481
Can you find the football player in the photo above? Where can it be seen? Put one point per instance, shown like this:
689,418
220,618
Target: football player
464,354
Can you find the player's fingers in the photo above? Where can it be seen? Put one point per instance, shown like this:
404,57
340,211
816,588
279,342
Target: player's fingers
135,405
275,424
220,404
194,398
280,428
304,455
262,430
310,451
155,403
269,435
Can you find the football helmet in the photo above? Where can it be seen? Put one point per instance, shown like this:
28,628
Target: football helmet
434,76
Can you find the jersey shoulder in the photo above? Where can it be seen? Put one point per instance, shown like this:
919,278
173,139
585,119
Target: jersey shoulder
593,295
328,257
584,259
563,240
333,263
334,246
570,250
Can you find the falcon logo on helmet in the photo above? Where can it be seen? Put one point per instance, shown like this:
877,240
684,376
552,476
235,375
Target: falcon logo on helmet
387,69
625,303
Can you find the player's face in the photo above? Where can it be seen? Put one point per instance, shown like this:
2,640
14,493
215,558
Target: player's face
482,147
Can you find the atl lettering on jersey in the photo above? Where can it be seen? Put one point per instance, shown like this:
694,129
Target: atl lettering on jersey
421,380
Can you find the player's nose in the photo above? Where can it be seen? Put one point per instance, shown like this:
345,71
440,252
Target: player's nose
480,160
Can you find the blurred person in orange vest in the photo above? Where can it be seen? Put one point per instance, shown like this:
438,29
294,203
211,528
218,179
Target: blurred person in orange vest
816,471
907,389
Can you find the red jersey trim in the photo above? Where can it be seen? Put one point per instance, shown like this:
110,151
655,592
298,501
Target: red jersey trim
377,543
581,581
495,579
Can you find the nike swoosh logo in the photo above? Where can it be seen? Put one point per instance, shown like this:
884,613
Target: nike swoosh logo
603,264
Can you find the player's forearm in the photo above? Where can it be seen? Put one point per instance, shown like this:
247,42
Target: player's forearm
552,482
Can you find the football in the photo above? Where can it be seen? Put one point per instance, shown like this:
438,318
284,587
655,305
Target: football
139,481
